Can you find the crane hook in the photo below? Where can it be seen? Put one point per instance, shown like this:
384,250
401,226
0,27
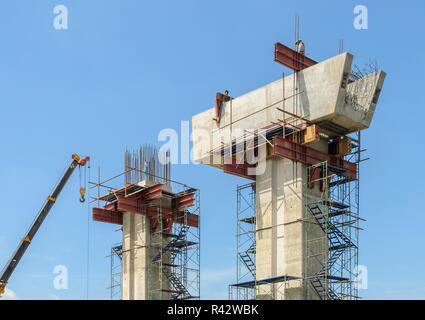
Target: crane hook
82,195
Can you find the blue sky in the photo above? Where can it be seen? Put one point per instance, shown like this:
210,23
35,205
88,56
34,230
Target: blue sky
124,70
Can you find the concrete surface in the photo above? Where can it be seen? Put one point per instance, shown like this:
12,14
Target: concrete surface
323,96
141,279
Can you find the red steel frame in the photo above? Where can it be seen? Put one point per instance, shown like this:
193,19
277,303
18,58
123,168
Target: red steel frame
291,58
281,147
284,148
139,203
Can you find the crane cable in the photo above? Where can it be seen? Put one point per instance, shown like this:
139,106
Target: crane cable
88,233
83,188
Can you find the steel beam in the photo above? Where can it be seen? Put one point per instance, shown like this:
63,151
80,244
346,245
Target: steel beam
112,213
108,216
309,156
183,201
240,170
153,192
291,58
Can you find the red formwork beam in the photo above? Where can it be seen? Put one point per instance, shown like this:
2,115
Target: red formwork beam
284,148
137,205
108,216
153,192
183,201
130,204
154,213
112,212
177,216
192,220
240,170
291,58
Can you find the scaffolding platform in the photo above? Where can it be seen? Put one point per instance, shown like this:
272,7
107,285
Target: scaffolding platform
254,283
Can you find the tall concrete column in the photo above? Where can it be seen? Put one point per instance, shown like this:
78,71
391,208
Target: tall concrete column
135,268
282,193
142,278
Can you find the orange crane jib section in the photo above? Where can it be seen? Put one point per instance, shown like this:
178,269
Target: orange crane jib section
291,58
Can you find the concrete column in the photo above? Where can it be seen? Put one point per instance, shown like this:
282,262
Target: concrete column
135,268
142,279
281,247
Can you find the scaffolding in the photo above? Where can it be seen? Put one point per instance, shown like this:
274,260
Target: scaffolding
116,269
247,286
334,250
170,213
331,237
245,247
175,256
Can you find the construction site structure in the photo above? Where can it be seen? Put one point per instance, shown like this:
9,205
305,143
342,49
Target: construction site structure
336,249
298,140
159,257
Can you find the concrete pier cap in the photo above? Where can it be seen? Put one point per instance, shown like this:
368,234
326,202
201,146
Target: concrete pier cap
324,94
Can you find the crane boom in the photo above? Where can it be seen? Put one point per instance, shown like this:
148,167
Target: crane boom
42,214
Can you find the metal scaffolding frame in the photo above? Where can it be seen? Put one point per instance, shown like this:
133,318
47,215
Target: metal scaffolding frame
247,287
175,257
331,236
335,250
245,244
174,254
173,209
116,269
186,254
